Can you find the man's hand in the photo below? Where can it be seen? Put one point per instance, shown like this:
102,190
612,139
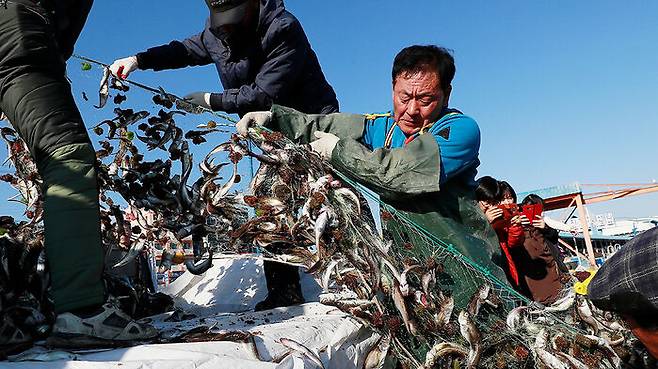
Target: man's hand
121,68
493,213
199,98
253,119
325,144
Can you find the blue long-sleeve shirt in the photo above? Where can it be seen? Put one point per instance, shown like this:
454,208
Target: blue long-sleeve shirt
457,135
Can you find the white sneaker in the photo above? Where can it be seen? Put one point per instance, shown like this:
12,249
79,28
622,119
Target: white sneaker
110,327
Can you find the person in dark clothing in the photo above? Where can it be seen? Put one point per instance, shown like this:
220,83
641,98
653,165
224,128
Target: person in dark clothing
263,57
627,284
537,264
539,276
36,99
551,235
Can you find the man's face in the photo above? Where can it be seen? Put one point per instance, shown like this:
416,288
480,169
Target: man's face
418,99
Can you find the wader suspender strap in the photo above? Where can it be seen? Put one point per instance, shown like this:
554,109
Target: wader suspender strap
389,134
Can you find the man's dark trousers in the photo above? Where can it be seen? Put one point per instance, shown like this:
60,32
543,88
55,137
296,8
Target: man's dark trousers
37,99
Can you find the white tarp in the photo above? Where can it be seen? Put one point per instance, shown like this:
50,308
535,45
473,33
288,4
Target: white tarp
223,299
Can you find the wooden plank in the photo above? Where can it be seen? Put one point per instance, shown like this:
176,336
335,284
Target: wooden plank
613,195
582,215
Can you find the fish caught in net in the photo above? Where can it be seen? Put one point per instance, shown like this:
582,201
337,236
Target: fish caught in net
431,305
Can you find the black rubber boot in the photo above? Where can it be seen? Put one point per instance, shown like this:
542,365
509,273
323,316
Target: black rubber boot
283,287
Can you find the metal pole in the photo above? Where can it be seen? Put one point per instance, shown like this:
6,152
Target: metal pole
572,249
583,223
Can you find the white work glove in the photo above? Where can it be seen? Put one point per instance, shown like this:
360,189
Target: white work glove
325,144
121,68
253,119
199,98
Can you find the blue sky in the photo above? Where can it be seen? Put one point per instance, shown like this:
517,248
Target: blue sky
563,91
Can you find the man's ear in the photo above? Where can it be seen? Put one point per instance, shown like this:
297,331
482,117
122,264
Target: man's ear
446,96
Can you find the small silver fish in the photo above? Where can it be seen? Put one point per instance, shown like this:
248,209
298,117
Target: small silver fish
514,317
562,304
404,284
104,90
223,191
377,356
478,299
301,349
350,195
585,314
321,225
362,303
575,363
541,349
401,305
442,318
428,280
441,349
391,268
472,335
605,344
549,360
327,275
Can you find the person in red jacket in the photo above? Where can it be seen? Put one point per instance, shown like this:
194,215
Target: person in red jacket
497,200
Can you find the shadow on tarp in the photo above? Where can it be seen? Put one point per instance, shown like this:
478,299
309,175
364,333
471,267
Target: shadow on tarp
230,286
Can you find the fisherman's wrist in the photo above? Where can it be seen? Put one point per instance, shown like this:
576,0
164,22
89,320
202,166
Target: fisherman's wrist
169,56
216,101
143,60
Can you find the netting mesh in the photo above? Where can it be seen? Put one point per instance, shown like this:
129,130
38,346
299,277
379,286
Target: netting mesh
431,303
428,284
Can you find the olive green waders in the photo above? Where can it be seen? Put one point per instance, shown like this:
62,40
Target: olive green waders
408,180
37,100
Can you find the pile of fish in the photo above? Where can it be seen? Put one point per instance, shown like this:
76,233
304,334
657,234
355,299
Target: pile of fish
144,205
304,214
26,309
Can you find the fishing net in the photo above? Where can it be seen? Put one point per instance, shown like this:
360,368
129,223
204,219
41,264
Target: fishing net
429,285
432,305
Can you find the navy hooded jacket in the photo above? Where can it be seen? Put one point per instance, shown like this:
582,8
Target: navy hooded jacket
277,66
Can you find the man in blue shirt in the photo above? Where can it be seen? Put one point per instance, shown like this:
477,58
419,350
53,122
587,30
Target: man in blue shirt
381,143
422,158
